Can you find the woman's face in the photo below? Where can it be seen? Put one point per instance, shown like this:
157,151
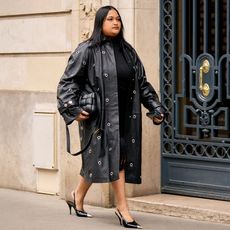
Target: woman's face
112,24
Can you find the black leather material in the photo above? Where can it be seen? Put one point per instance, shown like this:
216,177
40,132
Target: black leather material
93,70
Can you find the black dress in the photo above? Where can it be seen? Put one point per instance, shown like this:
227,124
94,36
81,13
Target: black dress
124,78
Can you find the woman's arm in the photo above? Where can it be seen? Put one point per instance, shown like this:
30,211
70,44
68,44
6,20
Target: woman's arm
148,95
72,83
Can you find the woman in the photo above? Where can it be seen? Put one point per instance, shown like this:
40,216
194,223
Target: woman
102,88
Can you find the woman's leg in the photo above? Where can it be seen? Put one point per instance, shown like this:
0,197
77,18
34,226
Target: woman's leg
119,190
80,192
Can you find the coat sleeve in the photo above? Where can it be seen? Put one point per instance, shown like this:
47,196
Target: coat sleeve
72,83
148,95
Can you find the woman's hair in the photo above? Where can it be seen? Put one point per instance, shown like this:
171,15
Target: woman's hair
97,35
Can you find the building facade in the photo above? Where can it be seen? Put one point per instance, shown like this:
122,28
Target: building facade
37,39
175,41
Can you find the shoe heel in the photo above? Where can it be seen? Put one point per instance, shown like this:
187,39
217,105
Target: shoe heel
119,218
70,207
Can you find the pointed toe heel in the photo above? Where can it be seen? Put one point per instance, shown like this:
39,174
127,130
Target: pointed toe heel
79,213
126,224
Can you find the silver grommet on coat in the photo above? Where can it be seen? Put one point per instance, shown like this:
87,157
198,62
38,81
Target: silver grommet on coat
70,102
134,91
84,62
107,99
108,124
131,165
134,116
99,137
111,173
65,105
106,75
99,162
103,52
110,149
133,140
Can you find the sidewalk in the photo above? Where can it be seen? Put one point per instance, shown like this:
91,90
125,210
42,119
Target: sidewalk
32,211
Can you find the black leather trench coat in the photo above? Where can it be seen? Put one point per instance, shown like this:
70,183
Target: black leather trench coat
93,69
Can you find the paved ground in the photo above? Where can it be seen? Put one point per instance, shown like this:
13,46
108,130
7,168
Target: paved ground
31,211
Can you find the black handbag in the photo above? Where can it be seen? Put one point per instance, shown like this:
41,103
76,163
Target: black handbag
87,102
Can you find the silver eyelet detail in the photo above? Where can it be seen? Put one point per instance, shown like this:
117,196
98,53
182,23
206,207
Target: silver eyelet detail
134,116
131,165
106,75
108,124
134,91
133,140
103,52
111,173
99,162
98,137
107,100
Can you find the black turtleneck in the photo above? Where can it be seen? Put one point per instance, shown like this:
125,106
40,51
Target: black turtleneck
124,78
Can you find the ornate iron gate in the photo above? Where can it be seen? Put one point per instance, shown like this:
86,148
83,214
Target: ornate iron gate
195,90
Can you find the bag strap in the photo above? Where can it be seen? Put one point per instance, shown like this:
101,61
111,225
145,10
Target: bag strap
69,144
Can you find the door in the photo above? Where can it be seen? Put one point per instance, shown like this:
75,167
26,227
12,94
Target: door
195,90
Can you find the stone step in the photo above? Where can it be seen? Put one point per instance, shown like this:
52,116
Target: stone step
183,206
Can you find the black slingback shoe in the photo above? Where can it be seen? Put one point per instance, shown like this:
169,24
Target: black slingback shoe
79,213
132,224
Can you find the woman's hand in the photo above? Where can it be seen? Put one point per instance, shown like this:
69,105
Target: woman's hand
158,119
82,116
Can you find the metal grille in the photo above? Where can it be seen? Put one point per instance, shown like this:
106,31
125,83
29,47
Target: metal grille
202,33
195,90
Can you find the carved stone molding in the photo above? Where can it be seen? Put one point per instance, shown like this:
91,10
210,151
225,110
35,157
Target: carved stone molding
88,10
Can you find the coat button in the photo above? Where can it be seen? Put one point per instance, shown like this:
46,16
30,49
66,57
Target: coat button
65,105
107,100
133,140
